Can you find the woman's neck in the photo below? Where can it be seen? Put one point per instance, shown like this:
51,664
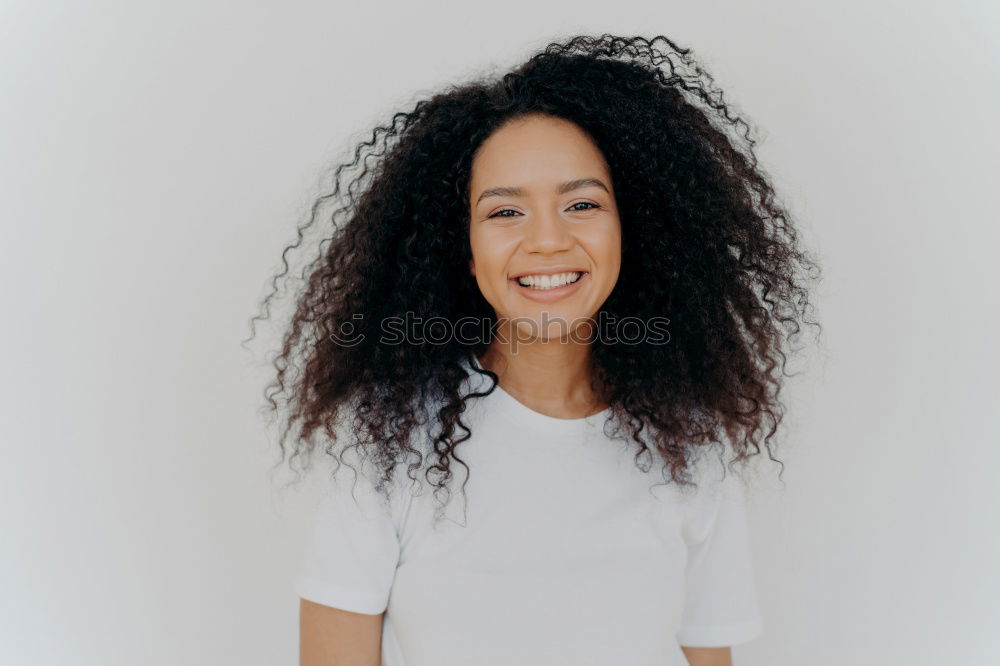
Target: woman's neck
551,378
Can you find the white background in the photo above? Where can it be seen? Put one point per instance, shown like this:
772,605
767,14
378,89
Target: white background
156,158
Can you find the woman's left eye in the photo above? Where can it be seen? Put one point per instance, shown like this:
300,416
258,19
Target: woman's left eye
584,203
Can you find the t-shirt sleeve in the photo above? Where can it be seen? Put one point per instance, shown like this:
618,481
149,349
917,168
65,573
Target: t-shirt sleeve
721,605
349,561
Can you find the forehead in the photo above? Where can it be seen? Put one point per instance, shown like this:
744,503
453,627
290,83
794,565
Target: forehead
535,152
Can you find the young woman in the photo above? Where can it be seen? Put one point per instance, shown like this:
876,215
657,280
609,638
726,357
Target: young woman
570,285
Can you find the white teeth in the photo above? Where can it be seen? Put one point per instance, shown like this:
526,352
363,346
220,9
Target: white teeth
548,281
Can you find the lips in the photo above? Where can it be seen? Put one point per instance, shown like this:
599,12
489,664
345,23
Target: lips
552,270
550,295
546,282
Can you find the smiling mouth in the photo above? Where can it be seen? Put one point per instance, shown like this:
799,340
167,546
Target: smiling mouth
549,282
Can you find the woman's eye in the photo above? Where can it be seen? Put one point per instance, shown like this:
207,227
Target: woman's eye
573,207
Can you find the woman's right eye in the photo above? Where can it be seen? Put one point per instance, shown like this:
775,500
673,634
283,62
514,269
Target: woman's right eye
503,210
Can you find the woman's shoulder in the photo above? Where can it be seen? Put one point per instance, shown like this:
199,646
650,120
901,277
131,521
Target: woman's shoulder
717,481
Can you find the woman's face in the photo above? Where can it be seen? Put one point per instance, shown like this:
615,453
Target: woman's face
543,210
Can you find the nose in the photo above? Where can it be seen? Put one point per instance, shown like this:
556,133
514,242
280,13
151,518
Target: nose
547,233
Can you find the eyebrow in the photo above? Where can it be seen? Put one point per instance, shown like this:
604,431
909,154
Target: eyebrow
562,188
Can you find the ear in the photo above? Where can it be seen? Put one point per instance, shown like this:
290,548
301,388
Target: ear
472,266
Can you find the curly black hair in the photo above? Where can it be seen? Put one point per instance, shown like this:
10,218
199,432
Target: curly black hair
697,212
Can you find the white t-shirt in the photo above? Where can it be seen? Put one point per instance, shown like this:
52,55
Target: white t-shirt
562,551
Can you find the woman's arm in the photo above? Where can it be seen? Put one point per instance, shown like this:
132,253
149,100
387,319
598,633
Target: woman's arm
334,637
708,656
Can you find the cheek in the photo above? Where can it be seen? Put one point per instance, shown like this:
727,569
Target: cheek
490,253
604,244
486,266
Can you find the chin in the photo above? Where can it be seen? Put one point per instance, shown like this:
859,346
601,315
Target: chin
558,322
